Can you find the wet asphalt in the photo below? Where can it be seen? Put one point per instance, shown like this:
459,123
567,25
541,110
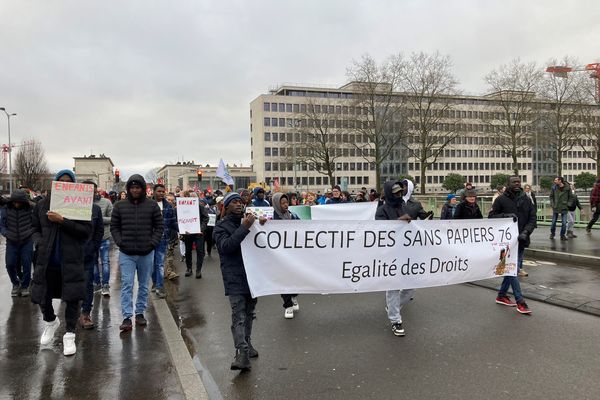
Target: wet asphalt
459,344
107,365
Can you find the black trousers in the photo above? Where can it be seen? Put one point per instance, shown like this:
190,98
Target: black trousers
53,290
189,241
287,300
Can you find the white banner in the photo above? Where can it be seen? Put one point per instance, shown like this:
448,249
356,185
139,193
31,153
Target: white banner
345,211
188,215
304,256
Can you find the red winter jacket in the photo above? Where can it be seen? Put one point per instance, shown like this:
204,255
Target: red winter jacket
595,196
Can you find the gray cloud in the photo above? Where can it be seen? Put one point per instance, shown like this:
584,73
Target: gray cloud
150,82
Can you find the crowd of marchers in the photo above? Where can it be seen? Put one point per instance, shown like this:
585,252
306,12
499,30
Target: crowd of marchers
71,258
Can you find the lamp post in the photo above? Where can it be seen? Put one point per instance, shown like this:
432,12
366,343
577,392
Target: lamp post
10,180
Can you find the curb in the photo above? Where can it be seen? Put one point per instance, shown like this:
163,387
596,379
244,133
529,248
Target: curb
582,304
192,385
552,255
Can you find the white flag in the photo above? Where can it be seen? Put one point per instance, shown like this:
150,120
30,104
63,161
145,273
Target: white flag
224,174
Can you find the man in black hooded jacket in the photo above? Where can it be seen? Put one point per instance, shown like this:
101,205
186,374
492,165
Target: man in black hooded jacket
136,226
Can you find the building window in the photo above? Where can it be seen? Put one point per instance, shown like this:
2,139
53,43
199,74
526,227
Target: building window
267,136
267,106
274,107
267,121
281,121
275,152
275,136
288,108
267,166
267,151
273,121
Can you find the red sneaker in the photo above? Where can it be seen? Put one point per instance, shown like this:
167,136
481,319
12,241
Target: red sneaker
505,301
523,309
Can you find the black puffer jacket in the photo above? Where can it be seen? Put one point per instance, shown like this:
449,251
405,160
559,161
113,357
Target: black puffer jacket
93,244
464,210
17,222
229,234
136,225
73,235
510,204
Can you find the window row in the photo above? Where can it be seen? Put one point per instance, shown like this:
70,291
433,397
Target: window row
318,180
340,166
468,166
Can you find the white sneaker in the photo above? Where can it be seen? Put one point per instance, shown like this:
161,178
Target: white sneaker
289,313
105,290
48,334
296,306
69,344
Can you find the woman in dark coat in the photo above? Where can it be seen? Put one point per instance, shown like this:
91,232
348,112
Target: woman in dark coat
468,208
59,270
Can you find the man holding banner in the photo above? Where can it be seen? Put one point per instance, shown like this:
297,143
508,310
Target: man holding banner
59,270
393,209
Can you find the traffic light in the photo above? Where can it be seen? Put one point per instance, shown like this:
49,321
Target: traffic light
117,175
199,172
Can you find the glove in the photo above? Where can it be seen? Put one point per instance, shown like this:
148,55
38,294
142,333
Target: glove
523,237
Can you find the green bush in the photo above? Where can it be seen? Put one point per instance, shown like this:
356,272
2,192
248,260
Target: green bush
498,180
453,182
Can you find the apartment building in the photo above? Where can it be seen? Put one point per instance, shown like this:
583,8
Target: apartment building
278,148
184,175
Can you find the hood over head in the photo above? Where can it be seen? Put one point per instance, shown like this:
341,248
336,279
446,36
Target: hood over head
65,172
19,196
389,196
411,187
277,206
138,180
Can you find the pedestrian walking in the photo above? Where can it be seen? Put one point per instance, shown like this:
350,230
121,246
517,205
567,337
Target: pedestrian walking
16,225
594,205
393,209
560,200
196,240
59,271
102,263
90,259
574,205
170,225
170,272
229,234
282,212
137,228
514,203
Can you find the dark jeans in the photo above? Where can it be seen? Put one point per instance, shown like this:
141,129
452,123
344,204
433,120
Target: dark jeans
594,217
54,285
242,315
287,300
189,241
563,222
18,262
89,265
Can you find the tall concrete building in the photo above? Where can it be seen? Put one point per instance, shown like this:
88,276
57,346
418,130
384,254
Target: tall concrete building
98,168
278,146
184,175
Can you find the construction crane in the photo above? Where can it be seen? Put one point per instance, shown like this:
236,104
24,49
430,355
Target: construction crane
561,71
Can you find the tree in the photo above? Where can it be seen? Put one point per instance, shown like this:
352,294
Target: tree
317,141
428,82
591,122
379,130
513,86
453,182
585,180
546,182
30,166
565,93
152,175
498,180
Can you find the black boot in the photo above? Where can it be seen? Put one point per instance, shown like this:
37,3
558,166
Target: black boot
198,273
188,272
252,353
241,360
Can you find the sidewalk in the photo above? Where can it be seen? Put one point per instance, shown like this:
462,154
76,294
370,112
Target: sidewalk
583,250
107,365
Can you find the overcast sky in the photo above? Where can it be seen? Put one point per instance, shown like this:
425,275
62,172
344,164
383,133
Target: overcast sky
151,82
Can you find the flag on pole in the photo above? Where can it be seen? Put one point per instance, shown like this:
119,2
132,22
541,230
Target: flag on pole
224,174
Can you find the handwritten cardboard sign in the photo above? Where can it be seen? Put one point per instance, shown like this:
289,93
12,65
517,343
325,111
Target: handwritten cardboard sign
72,200
258,212
188,215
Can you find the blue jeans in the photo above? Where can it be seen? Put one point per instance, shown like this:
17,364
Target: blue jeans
18,262
143,265
105,260
158,273
513,281
395,300
88,300
563,222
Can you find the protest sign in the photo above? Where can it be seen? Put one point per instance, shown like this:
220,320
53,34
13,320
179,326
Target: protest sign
188,215
212,219
345,212
370,256
258,212
72,200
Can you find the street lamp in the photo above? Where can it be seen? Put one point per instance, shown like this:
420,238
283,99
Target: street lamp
10,180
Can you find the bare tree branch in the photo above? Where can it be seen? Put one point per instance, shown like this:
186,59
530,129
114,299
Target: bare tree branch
31,167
